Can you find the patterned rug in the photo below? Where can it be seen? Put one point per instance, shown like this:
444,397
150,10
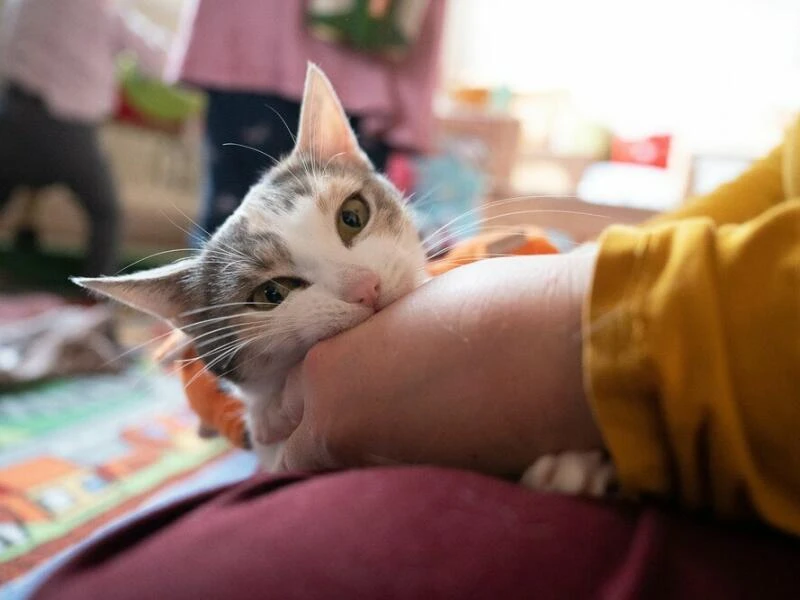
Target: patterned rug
79,452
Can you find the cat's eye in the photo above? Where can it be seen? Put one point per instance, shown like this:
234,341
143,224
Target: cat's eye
352,218
270,294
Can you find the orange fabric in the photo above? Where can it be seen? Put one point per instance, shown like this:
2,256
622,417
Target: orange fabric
533,241
215,408
224,413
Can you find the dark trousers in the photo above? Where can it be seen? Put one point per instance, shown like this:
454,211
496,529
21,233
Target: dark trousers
38,150
265,123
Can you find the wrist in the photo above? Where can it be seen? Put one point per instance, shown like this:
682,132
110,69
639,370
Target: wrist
579,430
581,277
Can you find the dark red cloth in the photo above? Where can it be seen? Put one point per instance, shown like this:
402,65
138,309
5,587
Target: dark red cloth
421,533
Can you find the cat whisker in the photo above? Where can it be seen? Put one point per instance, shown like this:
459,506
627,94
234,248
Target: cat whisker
129,351
481,207
280,116
225,250
426,199
257,356
457,233
184,230
227,355
196,324
194,311
142,345
154,255
468,259
164,214
287,324
246,147
230,329
226,255
192,221
206,369
297,178
327,164
300,156
231,411
162,336
231,252
528,212
206,342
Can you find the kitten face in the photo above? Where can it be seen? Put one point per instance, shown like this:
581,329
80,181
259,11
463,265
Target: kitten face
316,247
286,229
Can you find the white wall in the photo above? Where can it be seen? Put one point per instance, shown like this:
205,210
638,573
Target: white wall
720,72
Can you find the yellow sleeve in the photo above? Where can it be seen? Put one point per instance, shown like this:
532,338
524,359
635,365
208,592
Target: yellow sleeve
756,190
692,362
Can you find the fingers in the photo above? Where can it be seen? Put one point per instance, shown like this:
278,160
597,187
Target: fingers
293,397
326,413
288,420
304,451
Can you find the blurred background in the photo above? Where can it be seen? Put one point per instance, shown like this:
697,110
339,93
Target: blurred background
563,116
624,104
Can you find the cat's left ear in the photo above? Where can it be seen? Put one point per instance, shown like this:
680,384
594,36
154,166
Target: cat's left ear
163,292
324,130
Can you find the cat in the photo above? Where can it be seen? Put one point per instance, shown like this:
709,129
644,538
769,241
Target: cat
316,247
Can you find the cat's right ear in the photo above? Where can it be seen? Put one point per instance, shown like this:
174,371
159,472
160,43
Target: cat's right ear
163,292
324,131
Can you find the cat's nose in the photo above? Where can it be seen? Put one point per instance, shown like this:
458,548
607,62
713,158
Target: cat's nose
364,290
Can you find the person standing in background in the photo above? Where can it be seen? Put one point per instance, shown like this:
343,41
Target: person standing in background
58,68
250,57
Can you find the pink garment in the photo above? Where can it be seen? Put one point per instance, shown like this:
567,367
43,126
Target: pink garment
262,46
65,51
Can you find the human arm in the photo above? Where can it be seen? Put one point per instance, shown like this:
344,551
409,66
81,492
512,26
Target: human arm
691,353
478,376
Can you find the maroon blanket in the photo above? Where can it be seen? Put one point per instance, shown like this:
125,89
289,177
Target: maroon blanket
422,533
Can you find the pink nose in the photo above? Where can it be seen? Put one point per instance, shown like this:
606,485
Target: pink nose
365,289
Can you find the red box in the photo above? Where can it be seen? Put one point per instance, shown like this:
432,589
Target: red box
652,151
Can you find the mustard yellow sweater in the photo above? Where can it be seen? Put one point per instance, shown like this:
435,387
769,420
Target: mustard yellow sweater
692,347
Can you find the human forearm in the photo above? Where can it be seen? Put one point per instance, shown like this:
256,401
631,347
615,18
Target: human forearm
480,368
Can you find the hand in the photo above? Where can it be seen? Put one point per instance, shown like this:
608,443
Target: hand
480,368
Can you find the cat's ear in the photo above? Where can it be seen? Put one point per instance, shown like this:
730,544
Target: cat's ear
162,292
324,130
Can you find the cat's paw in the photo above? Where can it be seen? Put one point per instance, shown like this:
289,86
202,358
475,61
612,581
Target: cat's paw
269,456
575,473
259,432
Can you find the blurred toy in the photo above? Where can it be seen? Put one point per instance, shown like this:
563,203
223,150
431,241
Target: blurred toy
386,28
147,102
448,192
519,242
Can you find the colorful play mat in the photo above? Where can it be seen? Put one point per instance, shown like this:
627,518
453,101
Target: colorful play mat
77,453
